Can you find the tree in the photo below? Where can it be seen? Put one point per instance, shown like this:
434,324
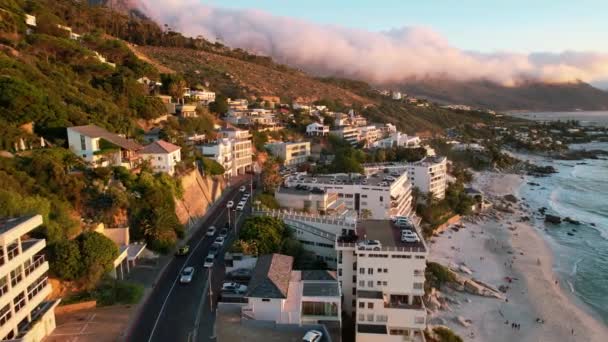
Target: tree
212,167
65,260
267,233
98,254
220,105
271,178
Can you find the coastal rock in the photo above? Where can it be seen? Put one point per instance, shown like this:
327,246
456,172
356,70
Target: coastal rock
572,221
553,219
510,198
460,320
465,269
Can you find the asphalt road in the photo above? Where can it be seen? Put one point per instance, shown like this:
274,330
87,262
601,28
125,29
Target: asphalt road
182,312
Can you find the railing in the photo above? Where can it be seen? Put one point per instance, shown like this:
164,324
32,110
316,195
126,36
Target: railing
12,252
5,317
383,248
247,313
3,289
20,304
34,265
399,305
16,279
291,215
33,290
315,231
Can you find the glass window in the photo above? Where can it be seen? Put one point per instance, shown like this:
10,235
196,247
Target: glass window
361,305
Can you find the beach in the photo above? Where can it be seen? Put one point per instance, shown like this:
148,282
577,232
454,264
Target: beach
501,249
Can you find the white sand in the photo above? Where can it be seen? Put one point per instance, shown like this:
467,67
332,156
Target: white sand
484,247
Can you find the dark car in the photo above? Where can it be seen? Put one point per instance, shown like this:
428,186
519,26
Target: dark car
183,251
224,232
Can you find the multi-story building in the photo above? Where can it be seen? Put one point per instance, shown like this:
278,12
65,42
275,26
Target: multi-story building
430,175
292,153
279,294
24,286
398,139
203,96
348,133
162,155
375,194
317,129
233,150
369,133
238,104
100,148
382,281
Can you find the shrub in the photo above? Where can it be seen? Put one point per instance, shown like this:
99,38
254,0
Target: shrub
438,274
446,335
66,260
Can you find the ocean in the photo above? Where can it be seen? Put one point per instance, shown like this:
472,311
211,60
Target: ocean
578,190
593,118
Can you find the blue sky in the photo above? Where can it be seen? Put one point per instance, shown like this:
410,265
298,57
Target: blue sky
515,26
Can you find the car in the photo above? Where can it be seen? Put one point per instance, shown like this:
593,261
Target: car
242,188
213,250
209,261
240,207
397,218
219,241
312,336
246,196
234,287
187,275
240,274
230,204
409,236
182,251
224,233
404,224
374,245
211,231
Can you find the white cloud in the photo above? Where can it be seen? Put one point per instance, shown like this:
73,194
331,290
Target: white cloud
382,57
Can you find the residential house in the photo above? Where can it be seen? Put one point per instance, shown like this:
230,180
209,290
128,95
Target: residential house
187,111
317,129
162,155
291,153
99,147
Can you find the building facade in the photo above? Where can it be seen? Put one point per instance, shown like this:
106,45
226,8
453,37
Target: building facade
382,281
292,153
233,150
100,148
375,194
162,155
24,286
317,129
430,175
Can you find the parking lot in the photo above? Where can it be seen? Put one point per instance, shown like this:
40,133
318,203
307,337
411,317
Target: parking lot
92,325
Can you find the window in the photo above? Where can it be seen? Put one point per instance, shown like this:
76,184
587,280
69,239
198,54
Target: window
362,270
386,270
265,300
361,305
381,199
370,317
370,283
354,266
418,286
370,305
83,144
378,283
385,283
339,272
159,158
319,309
364,196
354,291
370,271
354,279
361,283
354,303
379,270
403,332
361,317
381,318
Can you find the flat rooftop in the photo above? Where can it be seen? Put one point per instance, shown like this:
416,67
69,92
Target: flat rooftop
6,224
387,234
230,327
380,178
321,289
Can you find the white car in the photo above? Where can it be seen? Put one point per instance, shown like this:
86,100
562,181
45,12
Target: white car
242,188
400,218
234,287
211,231
246,196
409,236
241,206
219,241
312,336
230,204
187,275
208,261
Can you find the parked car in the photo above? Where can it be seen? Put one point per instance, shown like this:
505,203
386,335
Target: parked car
372,245
242,188
211,231
409,236
224,233
183,250
246,196
208,261
187,275
398,218
230,204
240,207
404,224
234,287
312,336
240,274
219,241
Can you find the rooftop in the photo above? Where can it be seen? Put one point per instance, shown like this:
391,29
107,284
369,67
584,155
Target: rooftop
7,224
376,178
159,147
93,131
386,233
271,276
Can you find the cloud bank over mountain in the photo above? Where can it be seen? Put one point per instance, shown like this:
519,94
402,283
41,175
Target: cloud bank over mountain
380,57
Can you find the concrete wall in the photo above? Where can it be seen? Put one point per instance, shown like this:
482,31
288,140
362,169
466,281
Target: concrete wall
199,193
75,307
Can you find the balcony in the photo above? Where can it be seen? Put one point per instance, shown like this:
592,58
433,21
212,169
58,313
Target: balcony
400,302
38,260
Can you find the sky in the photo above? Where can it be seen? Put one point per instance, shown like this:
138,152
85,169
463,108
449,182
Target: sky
480,25
391,41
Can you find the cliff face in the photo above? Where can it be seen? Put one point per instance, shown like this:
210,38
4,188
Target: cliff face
199,193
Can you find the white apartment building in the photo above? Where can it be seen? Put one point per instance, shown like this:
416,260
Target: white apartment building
101,148
398,139
233,150
279,294
317,129
313,200
238,104
370,134
24,313
162,155
292,153
375,194
382,280
430,175
348,133
203,96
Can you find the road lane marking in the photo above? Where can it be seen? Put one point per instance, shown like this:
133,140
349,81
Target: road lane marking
162,308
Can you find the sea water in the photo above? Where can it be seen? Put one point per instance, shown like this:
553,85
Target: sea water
578,190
